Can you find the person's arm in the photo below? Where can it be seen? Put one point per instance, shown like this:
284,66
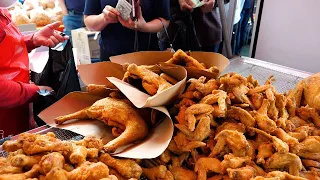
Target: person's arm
14,94
155,25
95,22
63,7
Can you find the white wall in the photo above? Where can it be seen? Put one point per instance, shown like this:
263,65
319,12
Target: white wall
290,34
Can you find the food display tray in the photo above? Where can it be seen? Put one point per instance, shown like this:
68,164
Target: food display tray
285,79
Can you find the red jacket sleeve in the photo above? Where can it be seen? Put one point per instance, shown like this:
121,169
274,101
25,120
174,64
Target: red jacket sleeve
14,94
28,39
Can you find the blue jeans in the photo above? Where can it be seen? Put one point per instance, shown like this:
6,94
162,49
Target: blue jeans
71,22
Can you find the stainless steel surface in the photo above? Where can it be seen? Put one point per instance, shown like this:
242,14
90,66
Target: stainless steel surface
286,78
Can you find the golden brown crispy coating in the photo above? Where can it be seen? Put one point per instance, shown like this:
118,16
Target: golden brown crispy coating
285,161
29,174
244,173
205,164
78,154
261,116
7,168
203,87
284,176
281,134
256,100
184,145
235,140
21,160
219,97
307,163
300,133
180,173
309,175
193,110
151,81
231,126
258,89
311,91
294,98
272,111
126,167
165,157
158,172
265,151
307,113
91,141
168,78
114,110
242,115
230,161
51,161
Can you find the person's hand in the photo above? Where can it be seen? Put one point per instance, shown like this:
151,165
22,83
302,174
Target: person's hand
186,5
139,25
110,14
48,36
208,6
45,88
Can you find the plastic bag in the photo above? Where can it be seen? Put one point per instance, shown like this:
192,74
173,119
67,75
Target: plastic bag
60,73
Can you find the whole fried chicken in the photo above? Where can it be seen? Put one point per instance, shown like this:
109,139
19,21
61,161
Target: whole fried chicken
111,110
151,81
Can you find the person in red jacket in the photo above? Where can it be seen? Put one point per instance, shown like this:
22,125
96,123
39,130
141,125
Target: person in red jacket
15,89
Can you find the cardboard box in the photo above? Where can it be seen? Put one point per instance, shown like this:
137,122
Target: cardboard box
87,44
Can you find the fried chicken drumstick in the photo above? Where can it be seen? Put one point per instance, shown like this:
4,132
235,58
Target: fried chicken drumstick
113,111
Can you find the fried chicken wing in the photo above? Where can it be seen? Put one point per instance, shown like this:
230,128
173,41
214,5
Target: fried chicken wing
21,160
272,111
311,91
261,116
257,99
281,134
231,126
158,172
294,98
114,110
203,87
51,161
307,113
258,89
205,164
217,96
90,141
285,160
230,161
126,167
184,145
309,175
193,110
36,143
242,115
180,173
244,173
309,148
265,151
201,132
284,176
235,140
78,154
300,133
151,81
7,168
310,163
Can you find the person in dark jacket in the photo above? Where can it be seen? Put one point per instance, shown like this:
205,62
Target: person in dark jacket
192,29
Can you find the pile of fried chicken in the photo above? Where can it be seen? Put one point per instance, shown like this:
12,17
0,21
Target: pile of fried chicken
234,128
44,157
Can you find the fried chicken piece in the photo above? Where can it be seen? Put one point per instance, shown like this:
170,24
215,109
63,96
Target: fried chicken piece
114,110
182,58
184,103
309,175
244,173
300,133
265,151
180,173
126,167
165,157
258,169
154,68
242,115
231,126
78,154
151,81
252,150
281,134
230,161
51,161
297,121
201,132
261,116
258,89
309,148
205,88
284,176
32,173
98,90
272,111
158,172
310,163
68,167
306,113
92,153
36,143
219,177
281,102
90,141
256,100
285,160
235,140
21,160
263,178
57,173
181,116
7,168
294,98
193,110
205,164
184,145
112,177
217,96
311,91
278,144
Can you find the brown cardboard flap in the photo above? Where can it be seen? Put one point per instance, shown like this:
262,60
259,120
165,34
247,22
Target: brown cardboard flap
142,100
153,146
156,57
96,73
